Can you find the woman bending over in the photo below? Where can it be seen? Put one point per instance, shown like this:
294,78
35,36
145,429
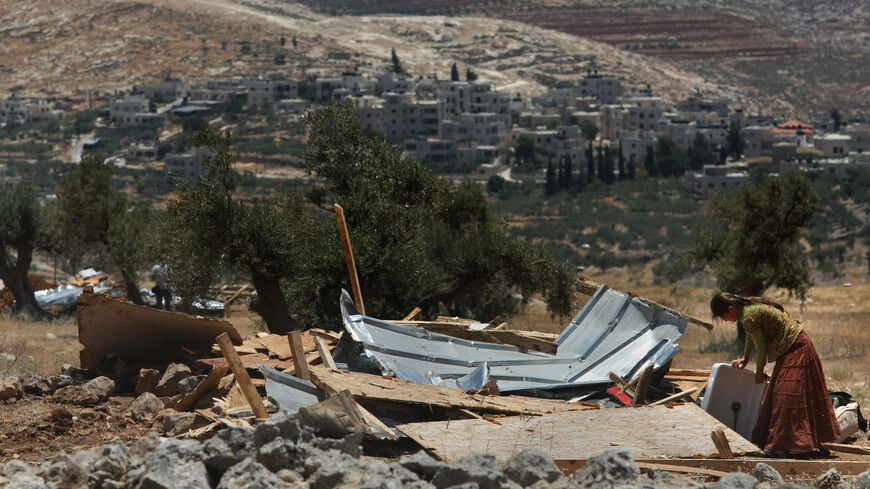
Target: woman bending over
796,413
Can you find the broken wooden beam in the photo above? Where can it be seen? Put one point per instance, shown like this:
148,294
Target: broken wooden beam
674,397
210,382
242,377
325,354
588,287
299,360
721,442
644,378
351,263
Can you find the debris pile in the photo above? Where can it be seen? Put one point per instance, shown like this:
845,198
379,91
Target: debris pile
320,409
38,283
285,453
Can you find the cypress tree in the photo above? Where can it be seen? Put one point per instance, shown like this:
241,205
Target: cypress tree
632,167
649,162
550,189
569,170
602,170
454,73
621,163
590,164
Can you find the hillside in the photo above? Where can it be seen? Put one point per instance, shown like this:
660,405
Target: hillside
66,50
776,54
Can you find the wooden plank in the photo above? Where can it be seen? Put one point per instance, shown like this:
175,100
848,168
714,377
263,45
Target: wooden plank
679,431
348,255
242,377
413,314
843,448
325,354
644,378
299,360
329,336
143,335
674,397
785,466
374,387
589,287
688,372
249,361
207,384
679,469
722,446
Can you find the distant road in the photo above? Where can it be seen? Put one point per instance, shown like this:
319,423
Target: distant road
76,155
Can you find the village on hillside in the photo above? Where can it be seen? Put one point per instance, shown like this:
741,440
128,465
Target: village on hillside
471,126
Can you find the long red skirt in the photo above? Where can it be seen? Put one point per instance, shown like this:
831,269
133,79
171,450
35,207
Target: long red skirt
796,413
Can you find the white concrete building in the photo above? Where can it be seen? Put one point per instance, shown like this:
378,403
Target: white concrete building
167,91
606,89
833,145
187,166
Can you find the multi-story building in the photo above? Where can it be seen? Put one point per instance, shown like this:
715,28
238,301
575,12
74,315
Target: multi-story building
833,145
605,89
167,91
187,166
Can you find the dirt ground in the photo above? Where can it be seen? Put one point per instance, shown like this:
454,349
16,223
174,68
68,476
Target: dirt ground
34,430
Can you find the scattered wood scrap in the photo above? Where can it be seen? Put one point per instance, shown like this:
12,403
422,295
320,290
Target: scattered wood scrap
142,335
374,387
679,431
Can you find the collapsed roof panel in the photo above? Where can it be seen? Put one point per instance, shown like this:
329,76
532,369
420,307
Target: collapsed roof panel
614,332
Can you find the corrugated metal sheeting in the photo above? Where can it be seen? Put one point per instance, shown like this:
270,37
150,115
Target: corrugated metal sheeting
614,332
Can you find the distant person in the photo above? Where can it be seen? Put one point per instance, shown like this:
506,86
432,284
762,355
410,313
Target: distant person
796,413
162,293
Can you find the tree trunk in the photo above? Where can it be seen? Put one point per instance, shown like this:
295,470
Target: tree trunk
271,305
132,290
15,278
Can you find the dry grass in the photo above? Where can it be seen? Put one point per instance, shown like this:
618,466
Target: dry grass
40,347
836,318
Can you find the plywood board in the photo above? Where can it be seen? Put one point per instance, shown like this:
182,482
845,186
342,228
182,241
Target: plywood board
649,431
142,335
249,361
392,389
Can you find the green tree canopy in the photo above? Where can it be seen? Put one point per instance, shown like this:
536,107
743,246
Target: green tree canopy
92,220
751,240
700,152
735,140
421,240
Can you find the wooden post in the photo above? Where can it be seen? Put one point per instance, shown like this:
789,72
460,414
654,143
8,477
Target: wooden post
242,377
325,355
351,263
413,314
642,386
298,353
722,445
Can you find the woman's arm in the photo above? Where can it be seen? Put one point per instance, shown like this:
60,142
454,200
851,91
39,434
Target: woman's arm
760,354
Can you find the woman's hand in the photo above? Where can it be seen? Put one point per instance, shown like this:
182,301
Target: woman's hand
739,363
760,376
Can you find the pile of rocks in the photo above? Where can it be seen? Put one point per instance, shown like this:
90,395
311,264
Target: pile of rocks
280,453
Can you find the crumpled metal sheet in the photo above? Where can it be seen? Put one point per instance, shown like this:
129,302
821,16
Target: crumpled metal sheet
614,332
291,393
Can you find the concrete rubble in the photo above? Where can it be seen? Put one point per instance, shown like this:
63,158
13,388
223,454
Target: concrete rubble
281,453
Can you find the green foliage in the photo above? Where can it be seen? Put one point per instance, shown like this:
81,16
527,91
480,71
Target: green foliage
670,159
91,221
735,140
752,240
419,239
700,152
588,130
495,184
208,234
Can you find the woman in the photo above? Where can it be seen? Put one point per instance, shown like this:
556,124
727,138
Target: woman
796,413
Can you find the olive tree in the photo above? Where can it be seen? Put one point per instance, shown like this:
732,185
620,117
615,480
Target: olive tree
22,219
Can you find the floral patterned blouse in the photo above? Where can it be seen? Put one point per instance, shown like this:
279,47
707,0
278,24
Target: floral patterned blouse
770,330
